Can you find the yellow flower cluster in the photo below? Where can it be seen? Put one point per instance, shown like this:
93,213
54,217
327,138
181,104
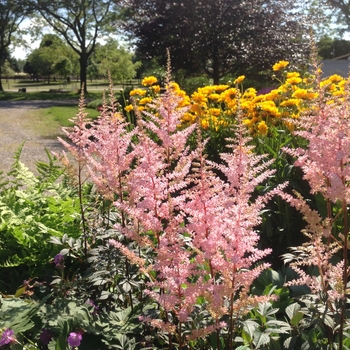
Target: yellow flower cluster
216,106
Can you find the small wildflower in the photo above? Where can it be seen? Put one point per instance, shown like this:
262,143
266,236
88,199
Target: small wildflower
280,65
148,81
75,338
7,337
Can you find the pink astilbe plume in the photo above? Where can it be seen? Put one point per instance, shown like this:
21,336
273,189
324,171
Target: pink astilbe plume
316,252
109,157
325,162
222,218
198,229
79,136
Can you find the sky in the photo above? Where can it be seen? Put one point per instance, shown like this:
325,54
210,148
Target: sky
22,53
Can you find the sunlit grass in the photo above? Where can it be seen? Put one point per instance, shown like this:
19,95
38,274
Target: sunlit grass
48,123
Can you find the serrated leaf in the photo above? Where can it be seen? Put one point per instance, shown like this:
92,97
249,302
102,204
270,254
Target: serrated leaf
290,342
250,327
292,309
260,339
296,319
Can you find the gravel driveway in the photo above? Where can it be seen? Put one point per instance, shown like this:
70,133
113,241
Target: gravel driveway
14,130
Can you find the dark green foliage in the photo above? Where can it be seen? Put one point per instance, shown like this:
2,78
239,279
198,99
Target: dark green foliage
215,37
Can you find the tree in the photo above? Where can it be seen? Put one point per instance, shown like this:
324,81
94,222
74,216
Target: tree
116,60
216,37
341,10
12,14
7,70
80,23
329,48
52,56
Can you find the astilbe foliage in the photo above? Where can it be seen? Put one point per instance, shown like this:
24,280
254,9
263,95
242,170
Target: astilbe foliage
195,232
326,166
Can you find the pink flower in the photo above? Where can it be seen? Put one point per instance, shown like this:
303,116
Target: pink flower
7,337
75,338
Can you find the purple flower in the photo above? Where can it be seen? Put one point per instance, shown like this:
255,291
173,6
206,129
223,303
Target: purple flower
75,338
58,260
7,337
90,302
45,336
264,91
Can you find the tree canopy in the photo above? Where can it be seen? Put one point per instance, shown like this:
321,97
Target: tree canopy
12,14
113,58
216,37
80,23
53,56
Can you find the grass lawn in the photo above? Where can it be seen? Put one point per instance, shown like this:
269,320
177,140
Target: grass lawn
63,114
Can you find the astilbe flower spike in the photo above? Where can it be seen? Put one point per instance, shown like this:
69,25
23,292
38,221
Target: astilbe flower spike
200,228
326,166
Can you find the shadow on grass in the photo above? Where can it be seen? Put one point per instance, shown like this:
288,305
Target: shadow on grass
43,95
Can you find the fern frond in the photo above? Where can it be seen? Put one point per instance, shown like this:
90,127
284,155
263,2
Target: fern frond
49,171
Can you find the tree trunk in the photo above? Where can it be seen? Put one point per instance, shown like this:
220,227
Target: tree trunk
83,70
1,88
216,70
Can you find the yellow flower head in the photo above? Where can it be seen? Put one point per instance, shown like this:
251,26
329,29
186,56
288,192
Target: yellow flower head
219,88
293,75
205,124
249,94
268,106
262,128
156,89
290,102
239,79
174,86
228,95
188,118
300,93
294,80
214,111
280,65
199,98
145,100
148,81
139,92
214,96
129,108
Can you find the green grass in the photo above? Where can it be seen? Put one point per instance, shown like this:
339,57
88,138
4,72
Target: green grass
48,122
62,114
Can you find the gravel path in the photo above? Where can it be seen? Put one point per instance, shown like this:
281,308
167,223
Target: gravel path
16,119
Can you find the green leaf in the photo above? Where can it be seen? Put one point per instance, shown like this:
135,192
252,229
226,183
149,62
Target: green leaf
250,327
292,309
19,292
260,339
